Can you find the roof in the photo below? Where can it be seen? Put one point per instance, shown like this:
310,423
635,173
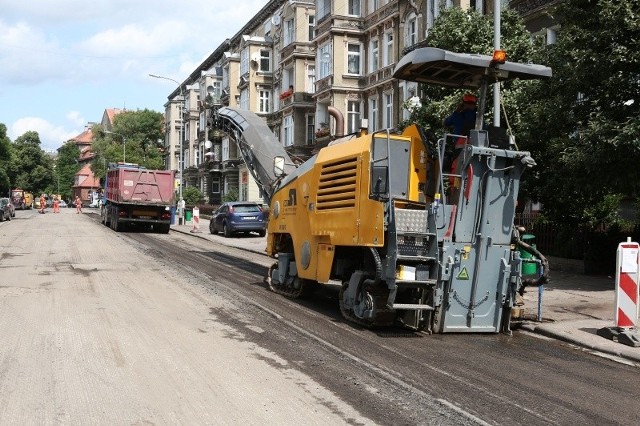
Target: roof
90,181
86,153
108,116
444,68
86,137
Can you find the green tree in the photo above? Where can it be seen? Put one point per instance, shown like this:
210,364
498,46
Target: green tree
583,125
136,136
66,167
467,31
5,156
31,168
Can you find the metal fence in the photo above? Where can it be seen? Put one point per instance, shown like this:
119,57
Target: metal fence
554,240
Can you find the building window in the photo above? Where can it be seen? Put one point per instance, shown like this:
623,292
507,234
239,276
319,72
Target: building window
244,186
311,129
388,49
288,78
289,32
354,58
244,99
215,184
324,57
373,5
288,130
312,27
411,98
225,149
244,61
354,7
263,100
311,79
353,116
225,77
388,110
411,28
265,60
323,8
217,91
373,115
373,59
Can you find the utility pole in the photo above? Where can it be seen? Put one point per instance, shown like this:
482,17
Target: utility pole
496,46
181,134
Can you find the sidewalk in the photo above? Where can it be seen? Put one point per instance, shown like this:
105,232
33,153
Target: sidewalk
574,306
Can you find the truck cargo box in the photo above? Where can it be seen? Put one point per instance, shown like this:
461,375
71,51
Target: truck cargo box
140,186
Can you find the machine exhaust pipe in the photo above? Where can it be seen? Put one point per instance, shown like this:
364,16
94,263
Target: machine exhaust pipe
337,115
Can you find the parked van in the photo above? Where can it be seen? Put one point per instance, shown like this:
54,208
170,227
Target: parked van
17,198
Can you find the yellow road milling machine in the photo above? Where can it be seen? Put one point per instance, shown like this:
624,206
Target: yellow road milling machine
410,242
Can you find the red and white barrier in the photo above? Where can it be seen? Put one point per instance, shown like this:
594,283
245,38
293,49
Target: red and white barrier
627,296
196,220
627,272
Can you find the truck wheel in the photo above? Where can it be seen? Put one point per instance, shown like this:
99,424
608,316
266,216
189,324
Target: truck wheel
262,233
164,229
226,230
116,224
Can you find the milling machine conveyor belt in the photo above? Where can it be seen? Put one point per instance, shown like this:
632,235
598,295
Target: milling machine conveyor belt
257,144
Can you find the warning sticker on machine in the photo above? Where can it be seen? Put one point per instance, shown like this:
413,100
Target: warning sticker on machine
464,274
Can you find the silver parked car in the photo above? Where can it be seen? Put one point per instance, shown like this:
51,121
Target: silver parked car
7,210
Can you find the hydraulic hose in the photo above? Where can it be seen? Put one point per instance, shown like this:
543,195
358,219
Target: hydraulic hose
545,276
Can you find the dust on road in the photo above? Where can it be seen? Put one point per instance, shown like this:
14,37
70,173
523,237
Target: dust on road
93,331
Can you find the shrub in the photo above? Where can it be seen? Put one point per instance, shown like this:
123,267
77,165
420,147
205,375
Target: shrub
192,196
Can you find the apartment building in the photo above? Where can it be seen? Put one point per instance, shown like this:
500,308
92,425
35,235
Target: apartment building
313,69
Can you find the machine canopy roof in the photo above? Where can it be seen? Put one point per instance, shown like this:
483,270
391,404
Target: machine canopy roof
443,68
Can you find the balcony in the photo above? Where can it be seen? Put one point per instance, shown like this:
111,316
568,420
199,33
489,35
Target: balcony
380,76
300,49
324,84
382,13
528,7
295,99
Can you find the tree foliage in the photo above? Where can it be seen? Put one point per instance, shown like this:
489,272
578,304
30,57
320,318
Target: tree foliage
583,125
467,31
192,195
30,167
66,167
136,136
5,157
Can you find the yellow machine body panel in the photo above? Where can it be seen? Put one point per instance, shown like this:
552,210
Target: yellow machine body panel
328,205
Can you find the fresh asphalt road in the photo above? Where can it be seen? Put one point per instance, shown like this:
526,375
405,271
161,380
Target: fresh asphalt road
107,328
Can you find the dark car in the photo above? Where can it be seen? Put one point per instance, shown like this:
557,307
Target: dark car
239,216
7,210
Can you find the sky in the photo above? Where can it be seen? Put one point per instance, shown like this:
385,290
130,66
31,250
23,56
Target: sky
63,62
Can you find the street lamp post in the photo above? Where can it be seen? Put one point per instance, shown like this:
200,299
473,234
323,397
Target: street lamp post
124,144
180,158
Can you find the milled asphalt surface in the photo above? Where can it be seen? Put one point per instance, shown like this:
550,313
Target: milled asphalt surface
574,306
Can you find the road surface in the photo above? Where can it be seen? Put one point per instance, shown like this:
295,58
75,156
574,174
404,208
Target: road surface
130,328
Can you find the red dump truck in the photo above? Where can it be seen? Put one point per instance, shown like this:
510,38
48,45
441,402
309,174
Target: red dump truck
136,197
